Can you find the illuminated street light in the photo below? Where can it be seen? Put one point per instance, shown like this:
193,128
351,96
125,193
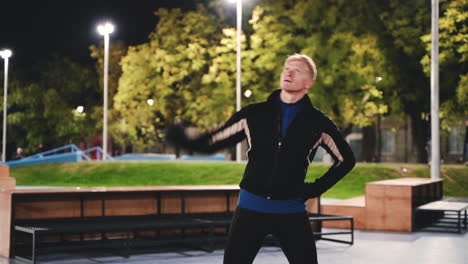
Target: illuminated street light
247,93
105,30
80,109
5,54
150,101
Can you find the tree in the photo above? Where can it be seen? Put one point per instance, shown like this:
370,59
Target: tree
44,110
117,50
453,61
399,27
348,60
368,56
169,70
352,44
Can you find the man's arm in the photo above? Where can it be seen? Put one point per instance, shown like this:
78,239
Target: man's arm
334,143
229,134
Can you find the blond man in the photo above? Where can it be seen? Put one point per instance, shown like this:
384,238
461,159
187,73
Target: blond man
283,134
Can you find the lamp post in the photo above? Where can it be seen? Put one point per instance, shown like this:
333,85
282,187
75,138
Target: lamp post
238,69
435,140
5,54
105,30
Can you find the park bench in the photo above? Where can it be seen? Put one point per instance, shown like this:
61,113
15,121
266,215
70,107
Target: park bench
224,220
324,234
97,218
119,231
318,218
28,232
442,216
27,248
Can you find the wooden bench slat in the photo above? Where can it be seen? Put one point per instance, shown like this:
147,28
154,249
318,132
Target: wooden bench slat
444,206
109,224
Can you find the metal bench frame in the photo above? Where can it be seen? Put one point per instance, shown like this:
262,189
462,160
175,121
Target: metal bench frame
320,218
127,224
156,222
326,217
458,224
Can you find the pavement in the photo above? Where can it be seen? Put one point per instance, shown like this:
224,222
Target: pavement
369,247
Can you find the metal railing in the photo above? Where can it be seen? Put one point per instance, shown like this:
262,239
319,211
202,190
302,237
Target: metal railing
66,149
68,153
99,153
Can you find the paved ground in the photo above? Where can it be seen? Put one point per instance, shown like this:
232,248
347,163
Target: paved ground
369,247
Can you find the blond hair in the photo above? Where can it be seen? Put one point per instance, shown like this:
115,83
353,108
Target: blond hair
307,60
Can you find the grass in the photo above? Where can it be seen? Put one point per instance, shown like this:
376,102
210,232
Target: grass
89,174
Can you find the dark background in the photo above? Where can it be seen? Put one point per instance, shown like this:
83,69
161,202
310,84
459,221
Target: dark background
34,30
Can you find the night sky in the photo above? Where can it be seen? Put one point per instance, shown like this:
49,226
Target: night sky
34,30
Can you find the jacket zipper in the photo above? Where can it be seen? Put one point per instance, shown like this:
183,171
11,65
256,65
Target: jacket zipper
279,144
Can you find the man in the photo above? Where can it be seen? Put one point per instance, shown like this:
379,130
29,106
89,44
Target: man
283,135
19,154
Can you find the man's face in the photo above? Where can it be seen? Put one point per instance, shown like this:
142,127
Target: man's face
295,76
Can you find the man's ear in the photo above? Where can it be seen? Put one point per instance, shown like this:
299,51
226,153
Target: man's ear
309,83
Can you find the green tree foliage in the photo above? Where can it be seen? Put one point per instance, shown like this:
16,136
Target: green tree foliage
169,70
368,55
348,65
117,50
44,110
453,60
348,58
399,25
270,44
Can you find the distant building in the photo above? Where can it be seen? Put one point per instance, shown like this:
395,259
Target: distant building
392,140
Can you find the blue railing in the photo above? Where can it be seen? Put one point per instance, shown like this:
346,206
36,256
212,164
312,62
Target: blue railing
99,153
145,157
68,153
55,158
71,153
55,151
213,157
168,157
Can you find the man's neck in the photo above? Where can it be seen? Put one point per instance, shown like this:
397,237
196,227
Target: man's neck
291,98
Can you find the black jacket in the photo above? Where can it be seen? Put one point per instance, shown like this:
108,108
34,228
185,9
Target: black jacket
277,166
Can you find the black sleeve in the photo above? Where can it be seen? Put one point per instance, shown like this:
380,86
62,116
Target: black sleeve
334,143
229,134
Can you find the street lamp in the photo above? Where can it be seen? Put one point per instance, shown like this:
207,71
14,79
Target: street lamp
247,93
435,122
105,30
238,70
5,54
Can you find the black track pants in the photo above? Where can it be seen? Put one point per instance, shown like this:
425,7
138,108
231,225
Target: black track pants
249,228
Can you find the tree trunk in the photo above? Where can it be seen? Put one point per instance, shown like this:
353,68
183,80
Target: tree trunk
421,135
369,144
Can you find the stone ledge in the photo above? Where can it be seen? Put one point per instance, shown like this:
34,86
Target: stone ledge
7,183
4,171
